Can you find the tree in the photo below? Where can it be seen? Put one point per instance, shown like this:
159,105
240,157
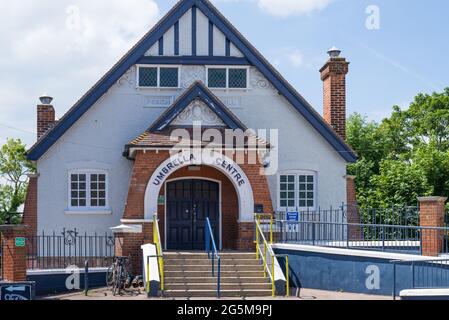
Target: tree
14,168
404,156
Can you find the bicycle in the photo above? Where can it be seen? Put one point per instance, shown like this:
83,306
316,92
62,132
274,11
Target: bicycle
118,276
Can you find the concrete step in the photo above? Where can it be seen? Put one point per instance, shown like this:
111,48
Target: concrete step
175,280
208,268
201,255
212,286
205,274
213,293
224,262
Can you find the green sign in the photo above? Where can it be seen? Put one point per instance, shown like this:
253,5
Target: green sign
20,242
161,200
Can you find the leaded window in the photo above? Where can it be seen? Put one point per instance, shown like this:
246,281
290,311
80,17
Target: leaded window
147,77
217,78
237,78
158,77
227,78
169,77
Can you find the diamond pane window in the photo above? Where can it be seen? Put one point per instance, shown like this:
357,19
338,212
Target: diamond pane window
217,78
237,78
147,77
169,78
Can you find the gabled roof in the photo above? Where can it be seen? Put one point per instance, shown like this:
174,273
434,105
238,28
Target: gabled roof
197,91
139,50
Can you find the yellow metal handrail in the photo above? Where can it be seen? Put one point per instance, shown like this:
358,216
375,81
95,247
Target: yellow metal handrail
268,250
159,255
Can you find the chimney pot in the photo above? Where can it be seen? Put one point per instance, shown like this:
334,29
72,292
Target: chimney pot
334,52
46,99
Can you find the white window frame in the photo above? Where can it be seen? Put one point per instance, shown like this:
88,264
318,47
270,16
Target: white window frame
298,173
158,67
88,208
227,88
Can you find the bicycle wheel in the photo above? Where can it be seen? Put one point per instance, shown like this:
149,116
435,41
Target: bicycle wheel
118,283
110,276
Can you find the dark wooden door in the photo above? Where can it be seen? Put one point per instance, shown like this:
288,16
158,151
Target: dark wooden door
189,203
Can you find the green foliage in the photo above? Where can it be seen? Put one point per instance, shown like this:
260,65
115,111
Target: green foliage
14,168
404,156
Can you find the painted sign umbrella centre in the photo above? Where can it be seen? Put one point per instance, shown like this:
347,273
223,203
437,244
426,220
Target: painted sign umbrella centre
213,159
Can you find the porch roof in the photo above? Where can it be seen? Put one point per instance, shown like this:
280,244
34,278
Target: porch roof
164,140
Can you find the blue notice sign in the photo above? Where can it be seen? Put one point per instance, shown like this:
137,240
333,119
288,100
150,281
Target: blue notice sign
293,216
292,221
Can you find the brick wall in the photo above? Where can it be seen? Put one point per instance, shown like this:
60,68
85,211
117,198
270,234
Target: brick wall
432,211
333,75
14,258
30,209
129,245
45,119
246,236
352,210
236,235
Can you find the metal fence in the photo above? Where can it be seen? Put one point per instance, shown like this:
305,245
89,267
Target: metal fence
394,229
386,238
395,215
69,248
425,274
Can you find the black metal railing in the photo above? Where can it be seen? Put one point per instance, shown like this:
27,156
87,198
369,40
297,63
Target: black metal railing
394,215
424,274
69,248
376,237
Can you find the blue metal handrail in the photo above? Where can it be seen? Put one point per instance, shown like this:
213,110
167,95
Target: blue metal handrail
209,238
432,273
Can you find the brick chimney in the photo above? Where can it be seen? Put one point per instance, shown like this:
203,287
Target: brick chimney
333,74
45,115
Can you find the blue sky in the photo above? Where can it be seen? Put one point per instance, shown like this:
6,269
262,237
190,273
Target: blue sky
45,50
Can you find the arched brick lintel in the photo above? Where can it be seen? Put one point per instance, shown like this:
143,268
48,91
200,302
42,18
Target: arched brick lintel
218,161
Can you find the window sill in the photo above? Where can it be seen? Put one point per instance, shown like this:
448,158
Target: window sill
88,212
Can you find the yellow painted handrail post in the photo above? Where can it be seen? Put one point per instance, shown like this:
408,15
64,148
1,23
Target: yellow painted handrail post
161,266
265,267
287,276
273,289
271,229
257,239
148,275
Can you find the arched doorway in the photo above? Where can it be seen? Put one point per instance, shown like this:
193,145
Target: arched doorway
188,203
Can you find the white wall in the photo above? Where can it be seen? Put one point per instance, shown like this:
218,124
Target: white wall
97,140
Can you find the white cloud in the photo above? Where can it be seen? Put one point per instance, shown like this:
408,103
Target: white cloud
284,8
295,58
62,47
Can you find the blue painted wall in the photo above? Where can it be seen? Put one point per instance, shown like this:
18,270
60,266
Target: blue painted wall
347,273
55,283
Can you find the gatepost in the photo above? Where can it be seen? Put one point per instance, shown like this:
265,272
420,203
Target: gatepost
14,285
432,211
